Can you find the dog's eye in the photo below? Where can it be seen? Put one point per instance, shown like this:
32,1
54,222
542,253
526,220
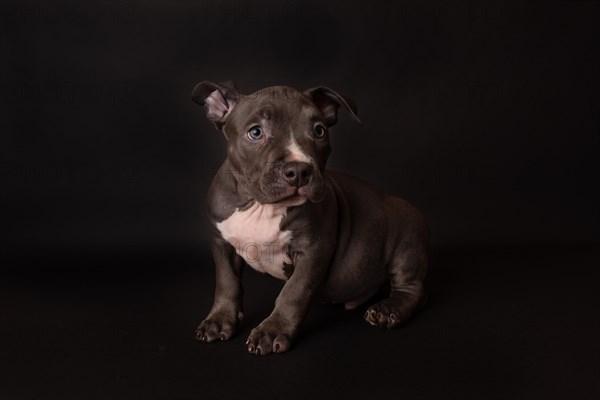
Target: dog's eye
319,131
255,133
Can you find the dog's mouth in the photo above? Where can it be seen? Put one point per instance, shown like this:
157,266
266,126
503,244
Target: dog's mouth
295,199
300,196
291,201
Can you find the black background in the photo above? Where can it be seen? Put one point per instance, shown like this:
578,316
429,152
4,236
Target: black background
483,115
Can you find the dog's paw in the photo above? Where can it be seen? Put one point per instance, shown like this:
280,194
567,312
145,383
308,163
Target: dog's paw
218,326
264,340
393,311
381,316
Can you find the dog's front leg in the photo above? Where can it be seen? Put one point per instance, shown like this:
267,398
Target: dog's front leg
226,313
277,332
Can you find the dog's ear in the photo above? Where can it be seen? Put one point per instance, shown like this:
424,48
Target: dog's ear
218,100
328,101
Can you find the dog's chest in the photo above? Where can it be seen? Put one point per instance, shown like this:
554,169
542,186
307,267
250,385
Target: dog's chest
257,238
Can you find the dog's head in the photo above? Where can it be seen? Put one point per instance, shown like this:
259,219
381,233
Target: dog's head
278,137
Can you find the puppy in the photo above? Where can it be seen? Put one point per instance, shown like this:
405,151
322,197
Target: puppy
275,206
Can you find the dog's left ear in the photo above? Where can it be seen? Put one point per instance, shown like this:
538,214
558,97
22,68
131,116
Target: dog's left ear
218,100
328,101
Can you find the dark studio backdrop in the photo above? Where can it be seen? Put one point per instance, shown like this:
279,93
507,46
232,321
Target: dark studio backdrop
483,115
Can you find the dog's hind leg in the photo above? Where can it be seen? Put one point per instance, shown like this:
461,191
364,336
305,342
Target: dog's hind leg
406,272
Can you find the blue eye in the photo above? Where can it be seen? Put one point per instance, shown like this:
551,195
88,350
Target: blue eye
319,131
255,133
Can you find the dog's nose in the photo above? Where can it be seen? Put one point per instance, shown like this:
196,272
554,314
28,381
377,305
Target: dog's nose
297,173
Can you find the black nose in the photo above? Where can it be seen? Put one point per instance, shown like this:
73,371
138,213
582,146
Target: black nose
297,173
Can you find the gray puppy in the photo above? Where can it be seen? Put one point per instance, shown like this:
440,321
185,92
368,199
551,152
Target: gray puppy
275,206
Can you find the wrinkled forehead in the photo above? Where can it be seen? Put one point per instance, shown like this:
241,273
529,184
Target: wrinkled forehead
276,104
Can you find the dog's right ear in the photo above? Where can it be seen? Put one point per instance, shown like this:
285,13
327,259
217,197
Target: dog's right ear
328,101
218,100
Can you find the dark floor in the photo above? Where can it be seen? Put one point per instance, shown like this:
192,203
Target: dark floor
502,322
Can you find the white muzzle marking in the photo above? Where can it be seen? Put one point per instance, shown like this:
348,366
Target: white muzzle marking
296,153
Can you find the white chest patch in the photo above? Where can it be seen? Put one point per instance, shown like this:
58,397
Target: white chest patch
256,236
